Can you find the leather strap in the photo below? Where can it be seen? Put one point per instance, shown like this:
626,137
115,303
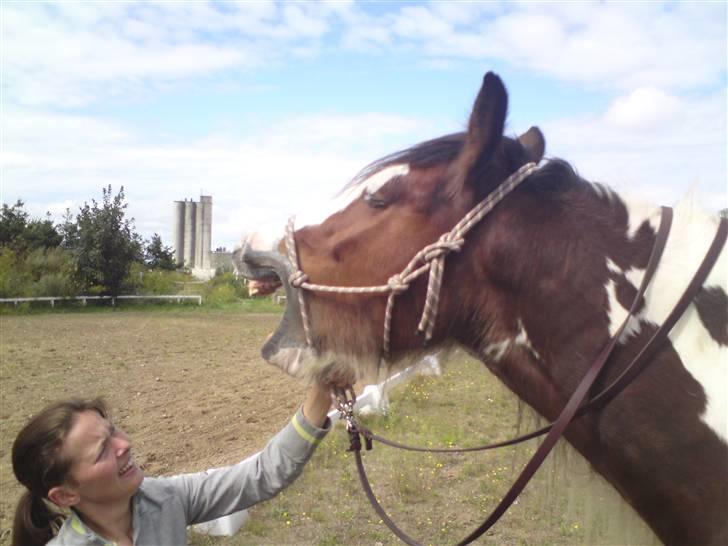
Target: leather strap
574,406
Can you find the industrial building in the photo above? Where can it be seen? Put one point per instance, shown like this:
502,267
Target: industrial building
192,236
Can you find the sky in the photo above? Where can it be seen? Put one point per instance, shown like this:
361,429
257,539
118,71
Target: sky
272,107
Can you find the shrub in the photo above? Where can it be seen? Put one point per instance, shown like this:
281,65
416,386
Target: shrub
228,278
221,294
41,272
53,284
13,279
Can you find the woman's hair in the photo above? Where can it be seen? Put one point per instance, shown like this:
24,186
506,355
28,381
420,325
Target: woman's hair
39,464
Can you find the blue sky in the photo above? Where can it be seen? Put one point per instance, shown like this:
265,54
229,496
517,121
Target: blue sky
271,107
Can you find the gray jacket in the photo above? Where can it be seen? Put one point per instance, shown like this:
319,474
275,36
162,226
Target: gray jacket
164,507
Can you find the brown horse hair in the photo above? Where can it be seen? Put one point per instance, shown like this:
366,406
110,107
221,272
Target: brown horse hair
39,464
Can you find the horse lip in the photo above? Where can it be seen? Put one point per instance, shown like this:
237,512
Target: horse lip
256,264
261,264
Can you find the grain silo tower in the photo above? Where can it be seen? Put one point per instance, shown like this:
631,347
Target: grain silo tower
192,234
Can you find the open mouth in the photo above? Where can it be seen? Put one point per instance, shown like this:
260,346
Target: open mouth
285,347
127,468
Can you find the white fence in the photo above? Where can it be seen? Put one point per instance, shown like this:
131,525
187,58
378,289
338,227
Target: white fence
83,299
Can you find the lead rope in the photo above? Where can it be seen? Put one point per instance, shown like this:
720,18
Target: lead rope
432,258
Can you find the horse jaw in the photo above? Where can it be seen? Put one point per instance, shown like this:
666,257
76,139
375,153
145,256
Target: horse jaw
287,348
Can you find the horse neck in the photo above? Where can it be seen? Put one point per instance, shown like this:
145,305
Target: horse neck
543,316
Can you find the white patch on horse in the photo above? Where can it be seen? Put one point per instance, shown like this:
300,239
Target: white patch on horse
497,350
603,191
344,199
522,340
618,313
639,212
611,266
707,361
265,238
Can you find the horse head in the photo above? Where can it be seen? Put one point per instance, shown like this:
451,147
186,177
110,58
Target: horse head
396,206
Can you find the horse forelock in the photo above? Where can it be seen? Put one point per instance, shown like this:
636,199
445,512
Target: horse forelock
426,154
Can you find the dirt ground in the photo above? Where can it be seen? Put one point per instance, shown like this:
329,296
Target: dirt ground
204,377
192,391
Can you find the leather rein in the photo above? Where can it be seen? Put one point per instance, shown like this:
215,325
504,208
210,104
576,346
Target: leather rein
578,404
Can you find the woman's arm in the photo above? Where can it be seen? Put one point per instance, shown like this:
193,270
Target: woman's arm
317,404
212,494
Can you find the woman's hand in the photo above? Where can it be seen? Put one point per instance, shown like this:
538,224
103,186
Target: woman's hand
319,397
317,403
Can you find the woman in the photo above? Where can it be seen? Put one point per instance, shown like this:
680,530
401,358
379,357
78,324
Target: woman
71,455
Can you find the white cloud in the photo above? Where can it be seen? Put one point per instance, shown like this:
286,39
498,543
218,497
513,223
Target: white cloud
70,54
54,162
643,108
658,157
605,44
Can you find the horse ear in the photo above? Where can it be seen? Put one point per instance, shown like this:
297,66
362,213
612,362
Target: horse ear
485,128
534,144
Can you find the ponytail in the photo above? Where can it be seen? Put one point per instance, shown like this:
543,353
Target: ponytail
39,464
35,522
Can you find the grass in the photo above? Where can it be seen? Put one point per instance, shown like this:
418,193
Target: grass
247,305
436,498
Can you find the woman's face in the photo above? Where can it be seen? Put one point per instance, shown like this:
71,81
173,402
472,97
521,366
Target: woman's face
102,466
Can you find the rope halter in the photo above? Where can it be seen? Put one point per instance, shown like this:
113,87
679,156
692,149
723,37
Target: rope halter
431,258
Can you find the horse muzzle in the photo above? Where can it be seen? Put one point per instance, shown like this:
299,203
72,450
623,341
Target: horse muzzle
286,348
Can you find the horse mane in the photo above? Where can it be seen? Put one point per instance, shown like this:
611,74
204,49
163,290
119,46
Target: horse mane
425,154
554,176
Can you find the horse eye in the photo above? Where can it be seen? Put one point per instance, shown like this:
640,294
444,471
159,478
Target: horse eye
375,201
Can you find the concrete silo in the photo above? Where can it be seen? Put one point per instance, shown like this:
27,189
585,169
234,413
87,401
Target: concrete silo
204,231
190,232
178,230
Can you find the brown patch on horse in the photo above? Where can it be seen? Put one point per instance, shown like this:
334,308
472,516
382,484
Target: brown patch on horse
626,291
712,306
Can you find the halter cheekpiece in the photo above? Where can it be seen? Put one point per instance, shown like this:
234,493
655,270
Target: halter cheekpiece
431,258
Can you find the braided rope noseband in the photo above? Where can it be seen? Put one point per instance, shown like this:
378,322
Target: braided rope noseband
431,258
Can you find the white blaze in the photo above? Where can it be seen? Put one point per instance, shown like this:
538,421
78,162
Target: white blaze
340,202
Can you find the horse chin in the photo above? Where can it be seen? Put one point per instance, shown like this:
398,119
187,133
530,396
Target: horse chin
291,360
304,363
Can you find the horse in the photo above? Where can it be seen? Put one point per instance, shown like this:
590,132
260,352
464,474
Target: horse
535,290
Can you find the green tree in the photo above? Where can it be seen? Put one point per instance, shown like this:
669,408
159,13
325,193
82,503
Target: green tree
68,229
106,244
13,221
158,256
22,233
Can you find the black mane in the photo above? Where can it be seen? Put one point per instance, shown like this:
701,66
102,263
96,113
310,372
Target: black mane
425,154
554,175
